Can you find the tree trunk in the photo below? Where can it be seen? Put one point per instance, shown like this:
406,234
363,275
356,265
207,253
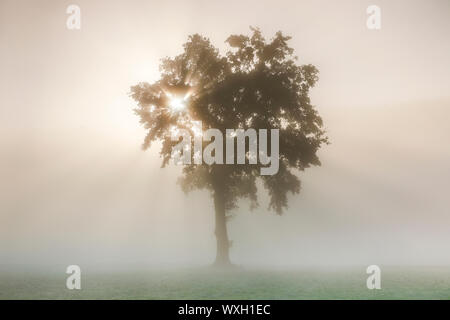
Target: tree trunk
223,244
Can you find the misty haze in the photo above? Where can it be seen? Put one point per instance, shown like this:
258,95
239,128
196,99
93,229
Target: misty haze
77,188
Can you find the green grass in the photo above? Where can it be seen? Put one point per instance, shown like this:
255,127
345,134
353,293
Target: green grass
204,283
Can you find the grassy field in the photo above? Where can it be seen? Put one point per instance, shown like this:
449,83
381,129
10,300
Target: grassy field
204,283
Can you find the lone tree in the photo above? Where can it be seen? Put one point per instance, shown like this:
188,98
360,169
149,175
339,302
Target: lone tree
257,84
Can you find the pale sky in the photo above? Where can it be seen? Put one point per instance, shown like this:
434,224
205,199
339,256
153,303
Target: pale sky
77,187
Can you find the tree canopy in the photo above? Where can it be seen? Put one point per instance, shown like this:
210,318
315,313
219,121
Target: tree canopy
256,84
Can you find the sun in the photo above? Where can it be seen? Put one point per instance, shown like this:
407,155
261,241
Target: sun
177,104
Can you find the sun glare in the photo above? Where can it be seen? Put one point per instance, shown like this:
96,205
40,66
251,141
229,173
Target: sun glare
177,104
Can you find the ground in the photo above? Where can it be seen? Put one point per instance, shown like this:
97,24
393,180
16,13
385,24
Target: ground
204,283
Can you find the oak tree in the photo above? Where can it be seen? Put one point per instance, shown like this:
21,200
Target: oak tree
258,84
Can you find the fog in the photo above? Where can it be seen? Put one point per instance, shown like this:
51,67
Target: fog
76,187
